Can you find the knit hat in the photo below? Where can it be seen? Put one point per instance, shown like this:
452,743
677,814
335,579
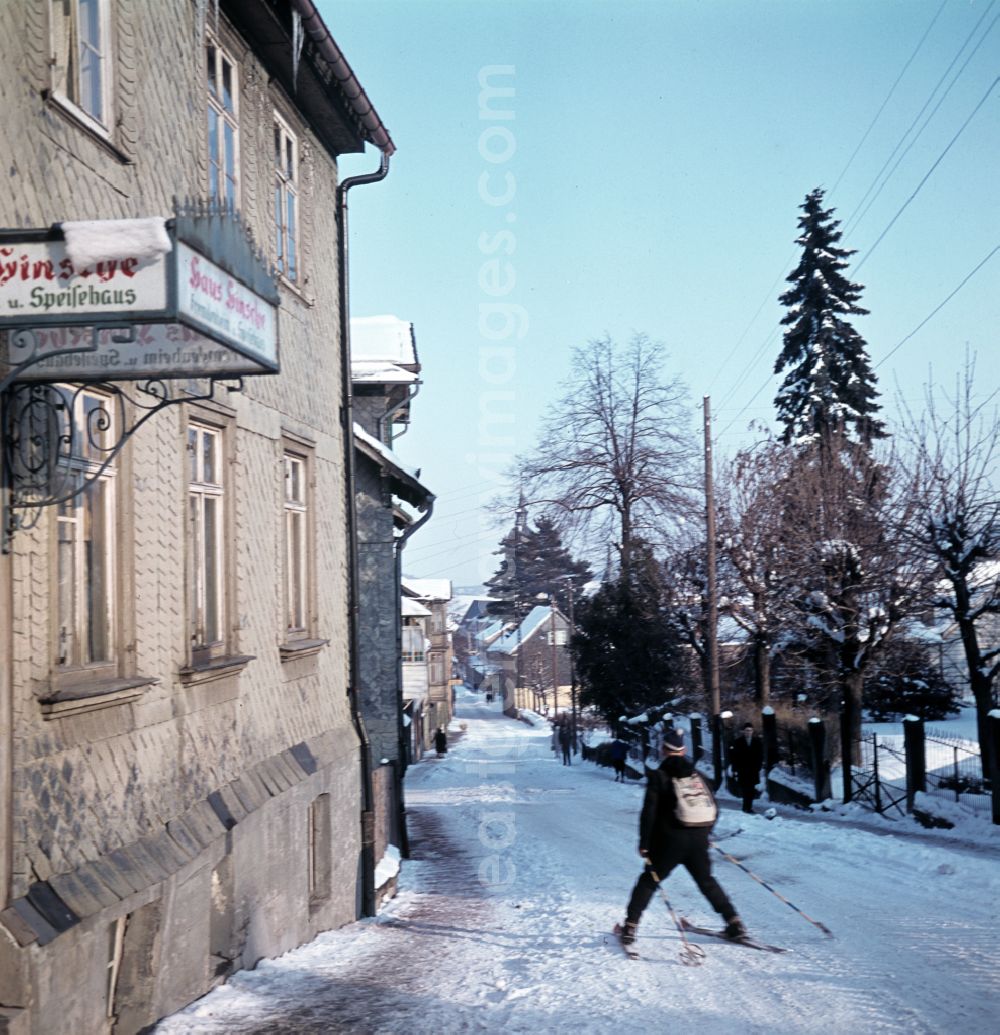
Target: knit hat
673,740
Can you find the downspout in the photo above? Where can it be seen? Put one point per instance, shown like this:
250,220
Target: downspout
404,840
385,421
347,427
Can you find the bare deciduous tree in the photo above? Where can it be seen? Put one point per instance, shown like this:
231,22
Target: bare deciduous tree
616,453
955,469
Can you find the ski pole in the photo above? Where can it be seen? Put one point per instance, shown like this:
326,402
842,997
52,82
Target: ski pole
691,955
826,930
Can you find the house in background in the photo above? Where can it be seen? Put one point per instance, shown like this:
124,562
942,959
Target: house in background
434,595
534,663
391,504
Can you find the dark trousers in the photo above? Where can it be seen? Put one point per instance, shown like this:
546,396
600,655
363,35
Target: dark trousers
687,848
748,791
619,769
566,753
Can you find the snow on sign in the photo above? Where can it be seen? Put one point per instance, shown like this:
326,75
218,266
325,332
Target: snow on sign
129,299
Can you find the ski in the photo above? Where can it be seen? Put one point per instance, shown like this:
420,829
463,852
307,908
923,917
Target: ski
627,949
750,943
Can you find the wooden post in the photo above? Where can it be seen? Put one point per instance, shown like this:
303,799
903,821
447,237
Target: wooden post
821,774
916,758
712,618
769,726
846,752
993,759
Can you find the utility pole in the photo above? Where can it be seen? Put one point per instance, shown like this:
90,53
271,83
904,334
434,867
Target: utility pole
712,624
555,656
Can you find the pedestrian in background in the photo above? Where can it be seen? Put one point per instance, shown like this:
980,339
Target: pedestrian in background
565,741
441,742
746,756
618,752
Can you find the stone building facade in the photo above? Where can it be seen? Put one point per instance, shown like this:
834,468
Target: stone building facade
184,782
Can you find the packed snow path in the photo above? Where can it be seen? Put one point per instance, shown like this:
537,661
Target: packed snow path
522,865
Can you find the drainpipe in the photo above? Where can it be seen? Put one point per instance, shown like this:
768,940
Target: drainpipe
347,426
404,840
385,421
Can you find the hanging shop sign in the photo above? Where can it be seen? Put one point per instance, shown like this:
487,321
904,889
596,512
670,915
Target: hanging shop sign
203,304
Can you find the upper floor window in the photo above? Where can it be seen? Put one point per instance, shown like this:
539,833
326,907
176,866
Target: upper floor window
296,545
286,199
86,534
413,643
206,572
81,36
223,125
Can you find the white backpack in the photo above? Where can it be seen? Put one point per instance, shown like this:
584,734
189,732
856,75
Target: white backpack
695,802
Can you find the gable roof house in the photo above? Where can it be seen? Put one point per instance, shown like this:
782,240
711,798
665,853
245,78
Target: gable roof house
534,663
185,784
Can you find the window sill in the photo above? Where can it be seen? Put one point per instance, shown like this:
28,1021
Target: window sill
296,289
217,668
295,649
78,118
91,697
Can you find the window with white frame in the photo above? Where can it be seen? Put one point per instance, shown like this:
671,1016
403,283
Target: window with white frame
81,62
296,545
413,643
85,536
206,571
223,125
286,199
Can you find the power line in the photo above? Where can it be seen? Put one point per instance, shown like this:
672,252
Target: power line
888,96
927,175
927,121
857,214
938,307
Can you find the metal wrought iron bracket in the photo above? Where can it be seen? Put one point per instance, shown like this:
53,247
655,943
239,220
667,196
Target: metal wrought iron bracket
54,449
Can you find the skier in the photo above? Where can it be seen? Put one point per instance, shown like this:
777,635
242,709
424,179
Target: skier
441,742
746,756
667,839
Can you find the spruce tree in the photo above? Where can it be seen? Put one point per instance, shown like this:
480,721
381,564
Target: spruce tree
829,388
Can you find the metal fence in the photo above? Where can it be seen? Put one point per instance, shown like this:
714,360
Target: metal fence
955,770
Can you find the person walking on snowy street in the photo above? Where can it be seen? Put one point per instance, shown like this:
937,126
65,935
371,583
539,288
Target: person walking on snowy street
618,752
565,741
441,742
677,798
746,756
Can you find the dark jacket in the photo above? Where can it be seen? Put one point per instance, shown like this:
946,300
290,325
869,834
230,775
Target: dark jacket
658,819
440,742
746,759
618,751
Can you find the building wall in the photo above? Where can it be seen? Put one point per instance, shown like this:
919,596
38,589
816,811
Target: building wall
122,810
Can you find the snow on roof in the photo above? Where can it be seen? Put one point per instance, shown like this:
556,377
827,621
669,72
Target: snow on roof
409,608
384,451
375,371
534,620
428,589
383,337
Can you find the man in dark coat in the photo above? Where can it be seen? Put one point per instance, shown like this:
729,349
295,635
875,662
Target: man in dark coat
565,741
746,756
665,843
441,742
618,752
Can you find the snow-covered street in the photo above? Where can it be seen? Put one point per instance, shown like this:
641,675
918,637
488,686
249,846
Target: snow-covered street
521,866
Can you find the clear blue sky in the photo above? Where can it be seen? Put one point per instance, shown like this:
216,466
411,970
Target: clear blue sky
656,158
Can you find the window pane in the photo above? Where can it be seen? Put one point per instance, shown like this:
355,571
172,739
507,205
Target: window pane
290,236
277,147
96,572
278,208
195,569
211,575
227,86
230,163
66,600
213,153
289,159
193,454
295,572
208,472
210,53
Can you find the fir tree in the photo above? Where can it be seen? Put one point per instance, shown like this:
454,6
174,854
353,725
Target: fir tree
535,563
829,386
627,656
